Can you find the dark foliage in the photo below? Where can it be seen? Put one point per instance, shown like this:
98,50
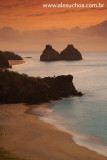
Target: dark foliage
16,88
3,61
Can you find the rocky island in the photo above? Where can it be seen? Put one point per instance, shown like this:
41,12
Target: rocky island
69,53
6,56
49,54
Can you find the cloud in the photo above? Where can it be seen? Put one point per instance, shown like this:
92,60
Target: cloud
8,34
91,38
11,6
69,10
36,15
17,4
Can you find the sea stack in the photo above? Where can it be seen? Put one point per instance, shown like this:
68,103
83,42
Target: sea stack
49,54
70,53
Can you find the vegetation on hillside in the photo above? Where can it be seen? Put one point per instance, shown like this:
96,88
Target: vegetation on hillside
17,88
3,61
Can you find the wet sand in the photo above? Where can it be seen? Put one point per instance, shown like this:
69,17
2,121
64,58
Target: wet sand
27,137
16,62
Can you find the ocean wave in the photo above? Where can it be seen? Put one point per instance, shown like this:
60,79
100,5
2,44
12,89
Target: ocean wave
46,115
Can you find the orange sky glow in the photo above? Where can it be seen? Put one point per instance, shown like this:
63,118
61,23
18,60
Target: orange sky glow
30,14
26,26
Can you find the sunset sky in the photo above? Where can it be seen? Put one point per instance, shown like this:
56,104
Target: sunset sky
30,14
26,25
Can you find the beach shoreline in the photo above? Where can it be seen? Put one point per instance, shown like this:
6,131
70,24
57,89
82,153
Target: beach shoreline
28,137
15,62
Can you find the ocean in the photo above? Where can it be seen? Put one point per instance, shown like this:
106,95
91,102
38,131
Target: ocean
84,117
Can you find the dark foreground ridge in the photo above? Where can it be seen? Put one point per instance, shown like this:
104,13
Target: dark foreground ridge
69,53
4,61
5,56
17,88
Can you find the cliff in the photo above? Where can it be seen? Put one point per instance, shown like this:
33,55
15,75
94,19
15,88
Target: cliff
69,53
19,88
49,54
61,86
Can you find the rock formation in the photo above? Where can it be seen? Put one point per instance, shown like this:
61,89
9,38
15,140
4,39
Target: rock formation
12,56
5,56
70,53
35,90
61,86
49,54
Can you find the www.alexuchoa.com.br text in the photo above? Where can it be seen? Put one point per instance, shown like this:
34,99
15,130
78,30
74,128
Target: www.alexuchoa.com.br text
74,5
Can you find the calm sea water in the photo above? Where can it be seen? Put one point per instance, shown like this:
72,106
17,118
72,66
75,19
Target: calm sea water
84,117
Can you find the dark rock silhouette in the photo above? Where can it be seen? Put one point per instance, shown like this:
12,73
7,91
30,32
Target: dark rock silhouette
19,88
49,54
70,53
61,86
5,56
3,61
28,57
12,56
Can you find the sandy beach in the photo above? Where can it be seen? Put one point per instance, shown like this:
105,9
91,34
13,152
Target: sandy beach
27,137
16,62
